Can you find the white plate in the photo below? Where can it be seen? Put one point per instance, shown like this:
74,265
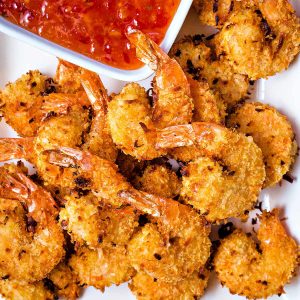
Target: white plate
281,91
84,61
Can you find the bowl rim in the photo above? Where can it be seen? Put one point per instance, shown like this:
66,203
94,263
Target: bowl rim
81,60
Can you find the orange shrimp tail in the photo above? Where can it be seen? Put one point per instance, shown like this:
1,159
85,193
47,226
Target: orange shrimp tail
146,50
95,90
40,204
16,148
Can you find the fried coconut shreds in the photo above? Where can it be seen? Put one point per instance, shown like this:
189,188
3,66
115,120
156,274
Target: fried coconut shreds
159,180
198,59
89,222
20,102
64,281
15,290
216,12
272,132
257,271
103,267
262,40
146,287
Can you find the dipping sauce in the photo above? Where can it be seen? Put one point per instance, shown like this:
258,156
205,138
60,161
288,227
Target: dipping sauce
95,28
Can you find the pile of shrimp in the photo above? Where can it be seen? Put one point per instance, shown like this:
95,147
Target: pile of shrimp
129,186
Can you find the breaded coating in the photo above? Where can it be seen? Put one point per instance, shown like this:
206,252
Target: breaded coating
19,290
199,60
215,13
102,268
208,106
89,221
38,241
257,271
66,284
227,171
272,132
159,180
146,287
129,117
178,256
21,101
260,41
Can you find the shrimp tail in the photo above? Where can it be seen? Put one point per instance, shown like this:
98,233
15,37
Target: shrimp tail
39,202
146,50
16,148
95,90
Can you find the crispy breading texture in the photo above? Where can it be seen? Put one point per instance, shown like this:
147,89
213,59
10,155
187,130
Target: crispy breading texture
199,60
20,102
129,117
257,271
146,287
261,41
102,268
17,290
272,132
158,180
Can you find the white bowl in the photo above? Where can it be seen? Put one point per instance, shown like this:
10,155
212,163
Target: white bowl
91,64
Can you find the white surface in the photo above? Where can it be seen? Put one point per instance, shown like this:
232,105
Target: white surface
84,61
281,91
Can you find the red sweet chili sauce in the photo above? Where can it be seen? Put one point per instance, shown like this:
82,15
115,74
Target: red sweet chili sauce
95,28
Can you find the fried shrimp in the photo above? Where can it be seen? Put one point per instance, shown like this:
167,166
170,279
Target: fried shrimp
216,13
262,40
257,271
171,87
147,288
15,289
131,126
20,102
91,222
38,238
227,171
103,267
159,180
272,132
174,244
63,281
198,59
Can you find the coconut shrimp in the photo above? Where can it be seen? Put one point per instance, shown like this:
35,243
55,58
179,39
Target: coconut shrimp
158,180
91,222
15,289
38,239
131,126
216,13
272,132
147,288
226,172
63,282
197,57
174,244
173,104
262,40
257,271
103,267
21,102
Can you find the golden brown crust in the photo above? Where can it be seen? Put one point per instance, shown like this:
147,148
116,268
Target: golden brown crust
272,132
158,180
257,272
129,117
146,287
262,40
199,60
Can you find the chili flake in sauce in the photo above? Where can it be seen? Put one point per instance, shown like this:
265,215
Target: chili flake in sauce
95,28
